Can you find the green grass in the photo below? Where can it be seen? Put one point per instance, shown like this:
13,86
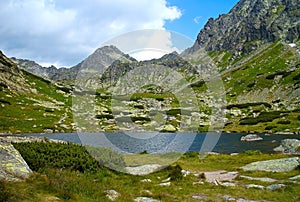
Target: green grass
68,185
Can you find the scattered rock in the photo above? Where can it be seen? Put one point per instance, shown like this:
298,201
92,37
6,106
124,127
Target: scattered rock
166,184
198,183
251,137
146,180
12,166
228,198
144,169
228,184
146,192
112,194
199,197
254,186
145,199
297,177
166,180
51,199
289,146
245,200
262,179
277,165
185,173
275,186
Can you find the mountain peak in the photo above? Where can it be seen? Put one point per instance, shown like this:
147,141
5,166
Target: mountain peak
250,23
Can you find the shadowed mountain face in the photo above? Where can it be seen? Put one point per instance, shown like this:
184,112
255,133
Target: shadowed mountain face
249,24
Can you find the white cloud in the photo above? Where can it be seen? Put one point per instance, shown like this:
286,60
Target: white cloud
196,19
66,31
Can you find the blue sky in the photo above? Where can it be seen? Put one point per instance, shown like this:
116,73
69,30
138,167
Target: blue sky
195,14
64,32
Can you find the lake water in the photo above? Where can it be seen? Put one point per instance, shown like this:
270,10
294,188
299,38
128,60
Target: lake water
168,142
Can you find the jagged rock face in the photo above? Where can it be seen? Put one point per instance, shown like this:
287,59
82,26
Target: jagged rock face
250,23
34,68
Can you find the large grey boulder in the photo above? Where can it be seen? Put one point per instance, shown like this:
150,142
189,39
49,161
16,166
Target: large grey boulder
289,146
12,166
277,165
143,169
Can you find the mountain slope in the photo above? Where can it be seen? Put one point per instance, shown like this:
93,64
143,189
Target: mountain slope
30,104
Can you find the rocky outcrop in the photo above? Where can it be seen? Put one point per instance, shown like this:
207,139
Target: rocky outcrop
249,24
289,146
12,166
251,138
277,165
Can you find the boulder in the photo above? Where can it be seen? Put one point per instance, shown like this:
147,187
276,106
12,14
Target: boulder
12,166
219,176
145,199
143,169
170,128
251,137
289,146
277,165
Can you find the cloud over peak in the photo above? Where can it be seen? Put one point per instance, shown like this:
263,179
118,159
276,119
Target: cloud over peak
66,31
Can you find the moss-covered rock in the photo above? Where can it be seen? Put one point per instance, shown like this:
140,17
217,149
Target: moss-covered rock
12,166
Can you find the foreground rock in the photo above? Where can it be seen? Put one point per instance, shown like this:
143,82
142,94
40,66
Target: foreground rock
219,176
277,165
112,194
12,166
289,146
251,138
145,199
144,169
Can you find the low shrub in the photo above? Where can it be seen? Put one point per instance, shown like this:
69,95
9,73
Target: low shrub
40,155
284,122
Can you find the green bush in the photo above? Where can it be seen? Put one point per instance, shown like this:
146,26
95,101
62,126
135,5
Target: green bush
246,105
175,172
40,155
4,194
270,127
263,117
107,116
284,122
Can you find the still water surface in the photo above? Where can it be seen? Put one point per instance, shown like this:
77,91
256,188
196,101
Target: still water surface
167,142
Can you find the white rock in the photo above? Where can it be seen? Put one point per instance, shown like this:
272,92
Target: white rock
146,180
165,184
145,199
254,186
112,194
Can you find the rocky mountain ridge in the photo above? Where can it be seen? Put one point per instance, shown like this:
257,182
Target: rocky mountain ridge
250,24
